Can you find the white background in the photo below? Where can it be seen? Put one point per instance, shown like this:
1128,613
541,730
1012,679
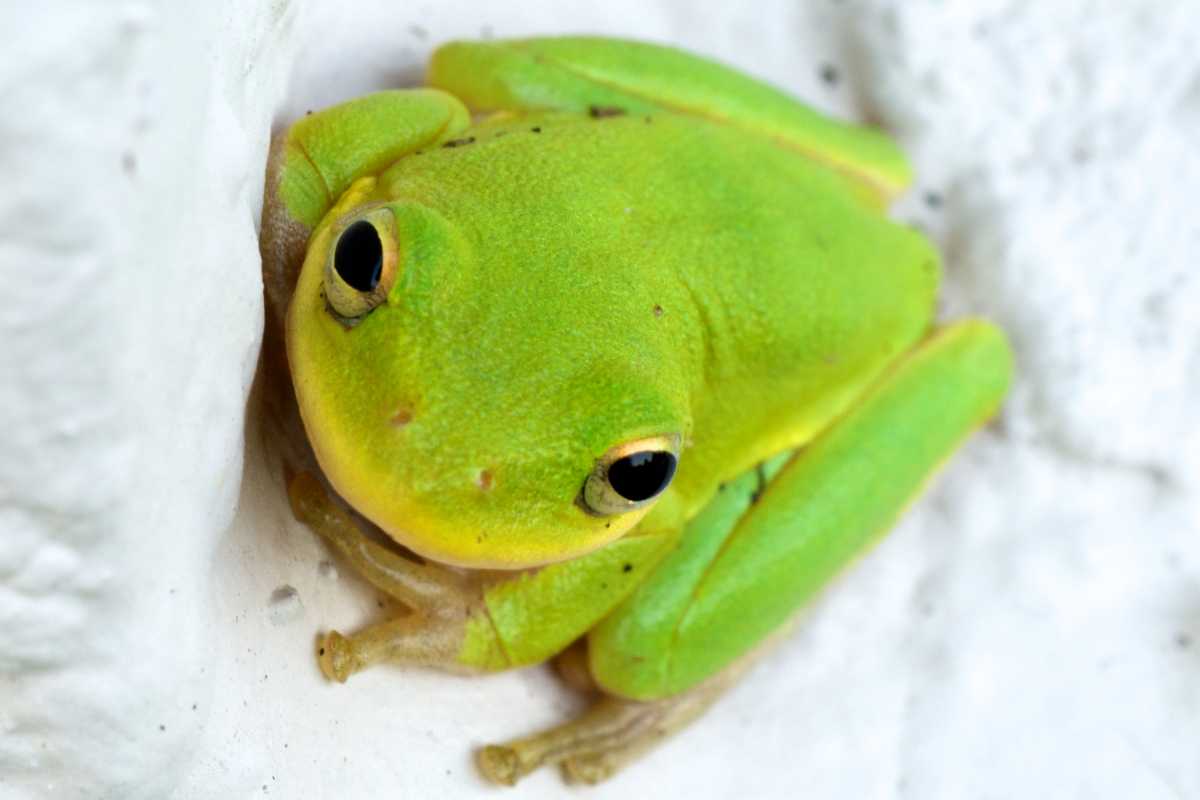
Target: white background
1032,629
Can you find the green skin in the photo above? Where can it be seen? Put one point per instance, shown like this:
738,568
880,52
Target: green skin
620,242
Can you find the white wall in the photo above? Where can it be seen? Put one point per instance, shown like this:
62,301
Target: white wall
1031,629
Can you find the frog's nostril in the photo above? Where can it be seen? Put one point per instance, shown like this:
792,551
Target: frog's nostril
402,417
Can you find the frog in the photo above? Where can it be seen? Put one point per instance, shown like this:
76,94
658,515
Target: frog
607,355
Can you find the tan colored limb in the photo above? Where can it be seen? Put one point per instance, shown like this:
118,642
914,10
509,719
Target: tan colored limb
610,734
426,587
414,639
442,600
572,667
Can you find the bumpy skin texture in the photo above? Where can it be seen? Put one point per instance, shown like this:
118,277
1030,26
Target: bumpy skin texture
566,289
625,241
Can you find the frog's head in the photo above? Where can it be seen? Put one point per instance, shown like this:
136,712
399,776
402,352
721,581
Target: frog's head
480,417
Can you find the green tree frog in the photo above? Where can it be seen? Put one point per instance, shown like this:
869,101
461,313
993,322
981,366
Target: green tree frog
621,344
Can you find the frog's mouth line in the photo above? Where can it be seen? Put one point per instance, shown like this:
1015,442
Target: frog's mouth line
428,539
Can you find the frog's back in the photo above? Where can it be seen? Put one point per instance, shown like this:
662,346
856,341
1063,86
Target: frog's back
768,285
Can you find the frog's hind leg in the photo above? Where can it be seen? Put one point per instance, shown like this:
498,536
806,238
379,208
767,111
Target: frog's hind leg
611,733
616,730
761,549
609,77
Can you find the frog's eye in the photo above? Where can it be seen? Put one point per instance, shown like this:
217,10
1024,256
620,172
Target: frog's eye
361,267
631,475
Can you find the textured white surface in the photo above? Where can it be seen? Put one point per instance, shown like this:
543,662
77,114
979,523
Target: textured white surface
1031,629
133,156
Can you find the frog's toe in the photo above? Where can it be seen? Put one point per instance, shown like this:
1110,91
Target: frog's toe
335,654
586,748
500,764
589,769
613,732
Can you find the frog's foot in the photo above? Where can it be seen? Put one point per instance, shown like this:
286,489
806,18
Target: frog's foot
441,600
609,735
414,639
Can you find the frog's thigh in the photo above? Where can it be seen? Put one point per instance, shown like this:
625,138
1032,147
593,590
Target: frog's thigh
764,546
826,506
605,76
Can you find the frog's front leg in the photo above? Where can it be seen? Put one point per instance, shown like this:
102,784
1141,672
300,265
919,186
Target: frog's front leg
469,621
763,547
443,602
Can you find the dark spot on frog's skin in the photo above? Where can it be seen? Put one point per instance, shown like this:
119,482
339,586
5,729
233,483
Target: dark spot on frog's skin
308,113
459,142
536,130
322,652
829,74
402,417
604,586
608,524
1183,641
720,487
658,311
162,727
599,112
479,539
627,568
499,134
933,200
484,480
418,32
648,120
762,484
129,162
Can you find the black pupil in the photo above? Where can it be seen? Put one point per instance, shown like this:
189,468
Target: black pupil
359,256
641,476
